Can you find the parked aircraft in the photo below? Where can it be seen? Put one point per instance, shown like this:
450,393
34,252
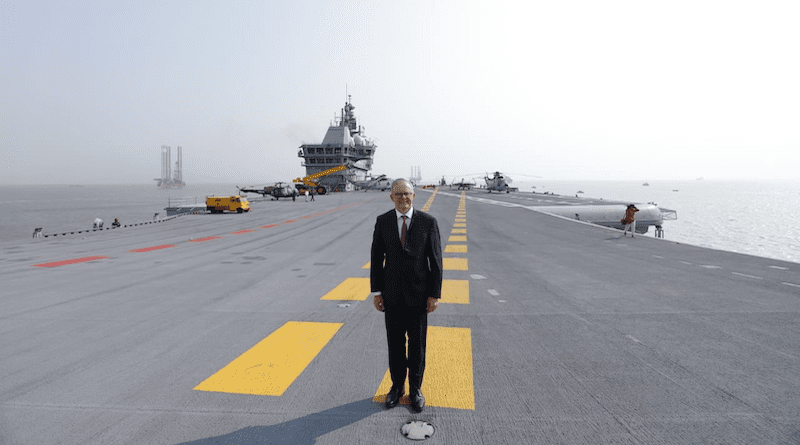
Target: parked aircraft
381,182
497,182
276,191
463,184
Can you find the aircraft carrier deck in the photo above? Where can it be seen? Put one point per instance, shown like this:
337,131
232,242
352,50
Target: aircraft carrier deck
255,329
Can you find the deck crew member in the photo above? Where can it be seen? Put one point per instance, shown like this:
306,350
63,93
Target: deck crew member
406,284
629,220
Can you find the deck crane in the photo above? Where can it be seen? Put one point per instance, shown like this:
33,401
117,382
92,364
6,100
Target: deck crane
309,183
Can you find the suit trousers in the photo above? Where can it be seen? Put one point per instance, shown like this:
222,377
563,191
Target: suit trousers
400,322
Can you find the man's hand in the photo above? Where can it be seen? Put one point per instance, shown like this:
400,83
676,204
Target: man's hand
378,301
433,303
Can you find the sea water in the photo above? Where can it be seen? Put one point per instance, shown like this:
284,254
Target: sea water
63,208
756,218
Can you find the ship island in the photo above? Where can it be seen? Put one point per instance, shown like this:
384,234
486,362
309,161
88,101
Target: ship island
344,144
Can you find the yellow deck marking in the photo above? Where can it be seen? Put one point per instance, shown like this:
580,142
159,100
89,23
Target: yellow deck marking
270,367
461,219
455,248
428,204
457,238
455,292
455,264
458,231
460,225
366,266
349,289
448,381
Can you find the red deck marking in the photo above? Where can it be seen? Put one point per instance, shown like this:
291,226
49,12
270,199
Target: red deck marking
306,217
76,260
200,240
148,249
290,221
270,226
242,231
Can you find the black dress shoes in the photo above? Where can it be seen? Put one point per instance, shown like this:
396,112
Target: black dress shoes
417,400
393,397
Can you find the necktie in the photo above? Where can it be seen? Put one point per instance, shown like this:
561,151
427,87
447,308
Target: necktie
403,233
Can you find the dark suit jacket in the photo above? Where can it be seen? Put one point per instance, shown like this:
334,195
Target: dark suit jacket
411,275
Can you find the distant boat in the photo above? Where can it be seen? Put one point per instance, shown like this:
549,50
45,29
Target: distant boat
580,191
674,190
645,184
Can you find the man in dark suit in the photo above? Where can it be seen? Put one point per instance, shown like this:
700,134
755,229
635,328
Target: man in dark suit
406,281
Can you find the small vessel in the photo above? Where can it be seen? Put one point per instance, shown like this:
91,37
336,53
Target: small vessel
645,184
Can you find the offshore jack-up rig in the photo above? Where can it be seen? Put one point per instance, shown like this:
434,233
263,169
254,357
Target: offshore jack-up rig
170,179
344,144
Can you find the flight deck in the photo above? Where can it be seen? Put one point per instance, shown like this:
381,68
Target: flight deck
256,328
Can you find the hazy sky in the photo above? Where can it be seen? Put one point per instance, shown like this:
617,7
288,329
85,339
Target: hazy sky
89,91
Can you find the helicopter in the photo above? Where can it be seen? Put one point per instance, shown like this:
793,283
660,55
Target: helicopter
381,182
276,191
497,182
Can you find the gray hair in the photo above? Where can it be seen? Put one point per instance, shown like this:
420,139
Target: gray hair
399,180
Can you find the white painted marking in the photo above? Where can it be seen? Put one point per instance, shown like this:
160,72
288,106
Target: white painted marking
493,292
791,284
779,267
501,301
658,256
633,339
685,262
747,276
709,266
477,277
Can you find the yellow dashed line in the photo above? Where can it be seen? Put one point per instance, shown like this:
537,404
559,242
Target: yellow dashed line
455,292
455,248
455,264
458,231
457,239
448,379
428,204
349,289
272,365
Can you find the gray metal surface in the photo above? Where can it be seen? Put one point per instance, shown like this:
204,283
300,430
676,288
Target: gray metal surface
579,336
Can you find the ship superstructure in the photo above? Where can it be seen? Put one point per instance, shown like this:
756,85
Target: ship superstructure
344,144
